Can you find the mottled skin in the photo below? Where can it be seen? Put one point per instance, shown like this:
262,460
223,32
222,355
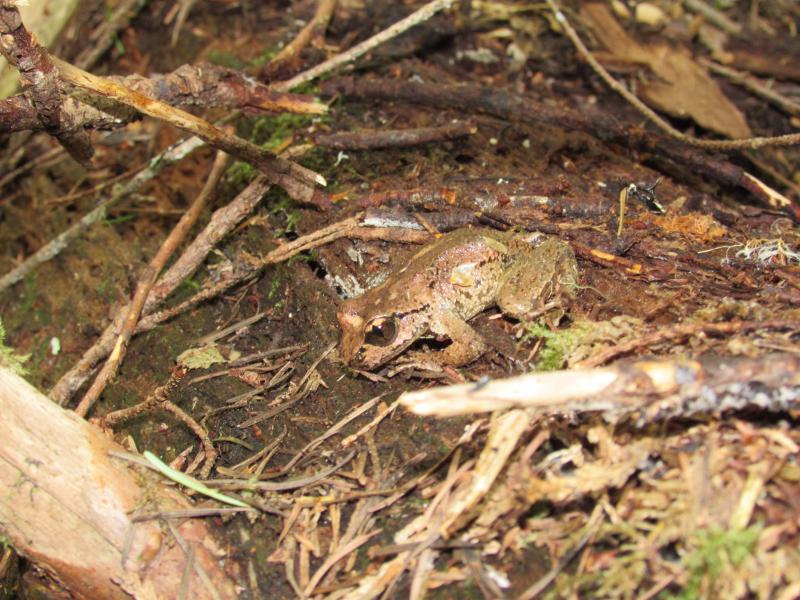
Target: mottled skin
444,285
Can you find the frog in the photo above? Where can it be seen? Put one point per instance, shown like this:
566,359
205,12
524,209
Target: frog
444,285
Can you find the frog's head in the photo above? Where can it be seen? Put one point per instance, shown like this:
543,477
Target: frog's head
370,341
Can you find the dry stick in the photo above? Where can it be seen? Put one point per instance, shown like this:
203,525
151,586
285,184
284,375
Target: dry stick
283,253
393,138
403,25
515,107
38,71
104,36
222,222
752,84
50,250
315,27
752,143
714,16
295,179
184,8
677,332
146,282
210,86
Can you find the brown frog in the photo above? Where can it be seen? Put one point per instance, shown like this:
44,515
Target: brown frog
447,283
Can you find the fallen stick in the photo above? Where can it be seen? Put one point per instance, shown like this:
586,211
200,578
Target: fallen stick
297,180
70,508
530,110
418,16
654,389
146,282
393,138
314,28
54,247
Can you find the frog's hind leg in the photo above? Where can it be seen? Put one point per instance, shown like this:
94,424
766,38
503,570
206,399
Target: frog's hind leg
467,344
524,299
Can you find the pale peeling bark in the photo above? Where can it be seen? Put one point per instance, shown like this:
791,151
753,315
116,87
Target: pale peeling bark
67,505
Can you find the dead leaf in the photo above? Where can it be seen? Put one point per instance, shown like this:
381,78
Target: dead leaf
679,86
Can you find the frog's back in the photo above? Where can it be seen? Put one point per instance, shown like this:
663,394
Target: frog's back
462,268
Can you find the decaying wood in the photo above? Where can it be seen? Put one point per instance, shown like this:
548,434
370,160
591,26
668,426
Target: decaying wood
38,72
297,180
69,506
187,87
654,389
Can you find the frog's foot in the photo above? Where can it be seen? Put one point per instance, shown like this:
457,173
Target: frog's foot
420,361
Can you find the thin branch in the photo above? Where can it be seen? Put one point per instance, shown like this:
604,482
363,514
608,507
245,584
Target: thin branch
790,139
37,71
297,180
314,28
146,282
53,248
412,20
393,138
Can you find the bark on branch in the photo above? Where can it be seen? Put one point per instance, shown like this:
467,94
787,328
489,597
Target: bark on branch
70,507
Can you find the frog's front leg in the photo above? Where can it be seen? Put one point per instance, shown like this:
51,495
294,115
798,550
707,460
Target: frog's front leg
467,345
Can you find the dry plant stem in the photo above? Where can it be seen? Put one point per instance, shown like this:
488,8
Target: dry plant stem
223,221
412,20
146,282
752,143
678,332
54,247
103,37
393,138
185,7
713,16
315,27
295,179
591,529
38,72
754,85
280,254
188,87
653,389
197,429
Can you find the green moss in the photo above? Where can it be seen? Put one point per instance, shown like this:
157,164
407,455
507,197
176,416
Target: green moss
10,359
557,344
717,552
226,59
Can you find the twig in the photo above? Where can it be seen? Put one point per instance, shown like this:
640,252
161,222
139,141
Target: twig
184,8
529,110
315,27
340,553
295,179
221,223
38,71
752,143
678,332
146,282
713,16
591,529
415,18
393,138
105,35
210,86
754,85
50,250
654,389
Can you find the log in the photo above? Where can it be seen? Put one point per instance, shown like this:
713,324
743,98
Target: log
68,506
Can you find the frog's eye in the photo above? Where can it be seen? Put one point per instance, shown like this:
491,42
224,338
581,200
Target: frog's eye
381,331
